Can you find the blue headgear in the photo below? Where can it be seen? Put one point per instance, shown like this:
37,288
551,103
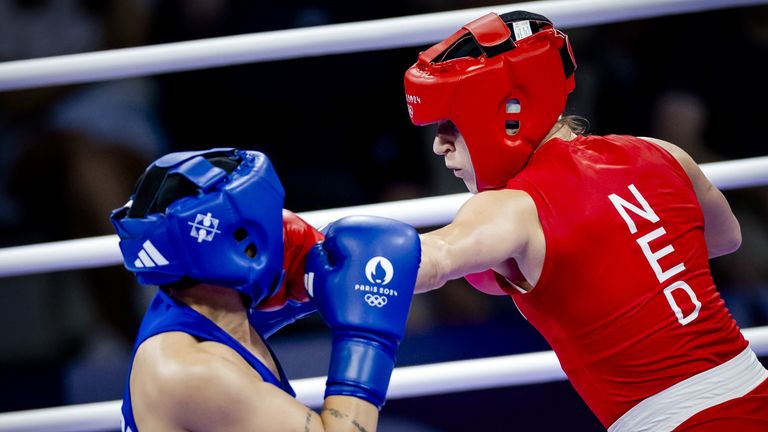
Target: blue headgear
225,230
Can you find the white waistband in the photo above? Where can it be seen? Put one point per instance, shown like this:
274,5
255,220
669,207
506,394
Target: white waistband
669,408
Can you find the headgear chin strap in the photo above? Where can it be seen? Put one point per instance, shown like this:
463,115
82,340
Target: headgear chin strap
226,231
503,89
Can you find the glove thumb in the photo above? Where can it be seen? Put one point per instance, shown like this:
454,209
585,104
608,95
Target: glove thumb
317,263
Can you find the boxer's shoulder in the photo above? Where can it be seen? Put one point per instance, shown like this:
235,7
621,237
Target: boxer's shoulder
498,207
174,372
177,359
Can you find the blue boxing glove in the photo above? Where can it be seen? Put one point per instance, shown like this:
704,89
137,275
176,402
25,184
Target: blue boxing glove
267,323
361,279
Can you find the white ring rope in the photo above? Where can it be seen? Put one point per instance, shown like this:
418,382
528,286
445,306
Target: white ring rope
423,212
411,381
322,40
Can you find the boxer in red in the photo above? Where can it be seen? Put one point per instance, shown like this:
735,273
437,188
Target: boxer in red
601,241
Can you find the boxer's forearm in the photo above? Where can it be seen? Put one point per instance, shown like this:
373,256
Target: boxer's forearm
346,413
431,274
490,228
446,256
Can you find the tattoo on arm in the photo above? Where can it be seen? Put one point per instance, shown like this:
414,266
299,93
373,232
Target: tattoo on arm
340,415
308,421
336,413
358,426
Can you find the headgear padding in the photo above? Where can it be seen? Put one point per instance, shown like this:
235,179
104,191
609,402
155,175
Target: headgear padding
213,216
503,81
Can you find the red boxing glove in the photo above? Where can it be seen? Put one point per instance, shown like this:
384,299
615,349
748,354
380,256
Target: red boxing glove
298,239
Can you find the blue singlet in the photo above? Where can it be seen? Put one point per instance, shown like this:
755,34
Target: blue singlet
167,315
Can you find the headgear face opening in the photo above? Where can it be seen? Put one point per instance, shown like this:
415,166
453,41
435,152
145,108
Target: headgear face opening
503,90
212,216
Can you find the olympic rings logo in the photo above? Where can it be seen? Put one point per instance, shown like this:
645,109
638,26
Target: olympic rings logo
375,300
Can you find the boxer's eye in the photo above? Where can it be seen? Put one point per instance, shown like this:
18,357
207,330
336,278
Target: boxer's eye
447,128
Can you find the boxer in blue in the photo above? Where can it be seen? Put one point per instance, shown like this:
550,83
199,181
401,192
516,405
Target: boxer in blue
233,267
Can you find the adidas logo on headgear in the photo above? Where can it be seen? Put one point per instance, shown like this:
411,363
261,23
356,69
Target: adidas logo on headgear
149,256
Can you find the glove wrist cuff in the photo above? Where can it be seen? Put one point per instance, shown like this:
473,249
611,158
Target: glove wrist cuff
360,367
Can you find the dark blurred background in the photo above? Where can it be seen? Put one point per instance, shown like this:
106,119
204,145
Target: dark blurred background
337,130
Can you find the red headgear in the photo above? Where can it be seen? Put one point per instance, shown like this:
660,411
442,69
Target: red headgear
503,90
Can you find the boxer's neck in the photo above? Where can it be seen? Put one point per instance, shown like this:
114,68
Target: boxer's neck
223,306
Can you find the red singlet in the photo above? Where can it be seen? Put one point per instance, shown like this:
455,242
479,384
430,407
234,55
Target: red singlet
626,298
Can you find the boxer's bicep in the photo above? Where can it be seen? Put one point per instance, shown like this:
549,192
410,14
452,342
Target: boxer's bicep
490,228
721,228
